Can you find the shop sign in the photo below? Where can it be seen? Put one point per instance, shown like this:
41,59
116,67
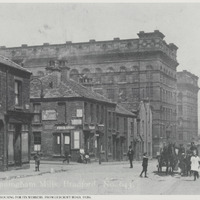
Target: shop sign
49,115
76,121
65,127
79,113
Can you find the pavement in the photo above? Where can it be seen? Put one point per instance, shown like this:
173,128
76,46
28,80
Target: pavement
47,167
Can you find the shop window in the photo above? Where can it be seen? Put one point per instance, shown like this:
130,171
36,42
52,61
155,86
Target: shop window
24,143
76,140
37,141
18,93
67,139
11,130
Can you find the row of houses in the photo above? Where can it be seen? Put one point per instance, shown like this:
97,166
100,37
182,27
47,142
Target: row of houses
62,115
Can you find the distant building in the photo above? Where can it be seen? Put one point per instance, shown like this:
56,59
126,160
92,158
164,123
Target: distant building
127,71
187,107
143,142
70,117
15,117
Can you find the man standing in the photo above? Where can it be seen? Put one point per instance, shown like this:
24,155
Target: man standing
193,148
130,156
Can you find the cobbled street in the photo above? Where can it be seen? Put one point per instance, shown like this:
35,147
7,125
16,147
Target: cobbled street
111,178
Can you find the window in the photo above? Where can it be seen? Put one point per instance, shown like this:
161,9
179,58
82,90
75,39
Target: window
67,139
122,94
117,123
37,141
74,74
24,143
76,140
102,114
122,77
97,114
58,139
37,113
113,120
18,93
132,128
135,93
110,94
109,119
125,124
92,112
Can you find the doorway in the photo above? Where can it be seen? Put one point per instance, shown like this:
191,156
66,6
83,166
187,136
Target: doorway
17,145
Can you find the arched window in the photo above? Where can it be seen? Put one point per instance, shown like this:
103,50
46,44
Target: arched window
74,74
110,69
122,69
86,71
135,68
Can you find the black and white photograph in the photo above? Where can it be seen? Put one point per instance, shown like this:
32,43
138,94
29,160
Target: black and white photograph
99,99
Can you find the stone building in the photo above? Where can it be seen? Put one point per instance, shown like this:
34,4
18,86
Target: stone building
70,117
187,107
15,117
143,142
127,71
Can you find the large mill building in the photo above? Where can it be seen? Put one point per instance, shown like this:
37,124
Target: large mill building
127,71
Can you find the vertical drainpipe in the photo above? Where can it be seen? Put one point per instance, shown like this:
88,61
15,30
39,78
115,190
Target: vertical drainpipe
6,125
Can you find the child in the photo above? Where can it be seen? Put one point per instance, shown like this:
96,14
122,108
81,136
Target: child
37,161
195,164
144,165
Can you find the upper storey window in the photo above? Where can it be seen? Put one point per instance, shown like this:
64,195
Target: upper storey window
18,93
122,74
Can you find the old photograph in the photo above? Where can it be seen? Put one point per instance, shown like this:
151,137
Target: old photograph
99,99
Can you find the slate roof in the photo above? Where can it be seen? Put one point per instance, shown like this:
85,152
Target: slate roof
122,110
12,64
67,89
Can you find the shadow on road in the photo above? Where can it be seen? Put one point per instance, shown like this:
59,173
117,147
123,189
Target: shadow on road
163,173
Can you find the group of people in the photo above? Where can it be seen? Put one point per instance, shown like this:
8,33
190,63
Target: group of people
130,155
193,161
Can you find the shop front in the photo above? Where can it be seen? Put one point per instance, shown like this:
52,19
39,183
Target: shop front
15,132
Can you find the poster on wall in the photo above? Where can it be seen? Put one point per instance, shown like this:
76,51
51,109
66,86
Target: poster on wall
49,115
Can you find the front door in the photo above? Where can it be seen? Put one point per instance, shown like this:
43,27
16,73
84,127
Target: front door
57,144
17,145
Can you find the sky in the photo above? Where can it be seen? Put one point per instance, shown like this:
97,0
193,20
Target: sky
54,23
38,23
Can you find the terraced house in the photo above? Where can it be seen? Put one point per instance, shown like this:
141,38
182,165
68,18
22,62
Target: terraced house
15,116
69,117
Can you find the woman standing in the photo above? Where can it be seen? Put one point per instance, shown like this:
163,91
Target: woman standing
195,160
